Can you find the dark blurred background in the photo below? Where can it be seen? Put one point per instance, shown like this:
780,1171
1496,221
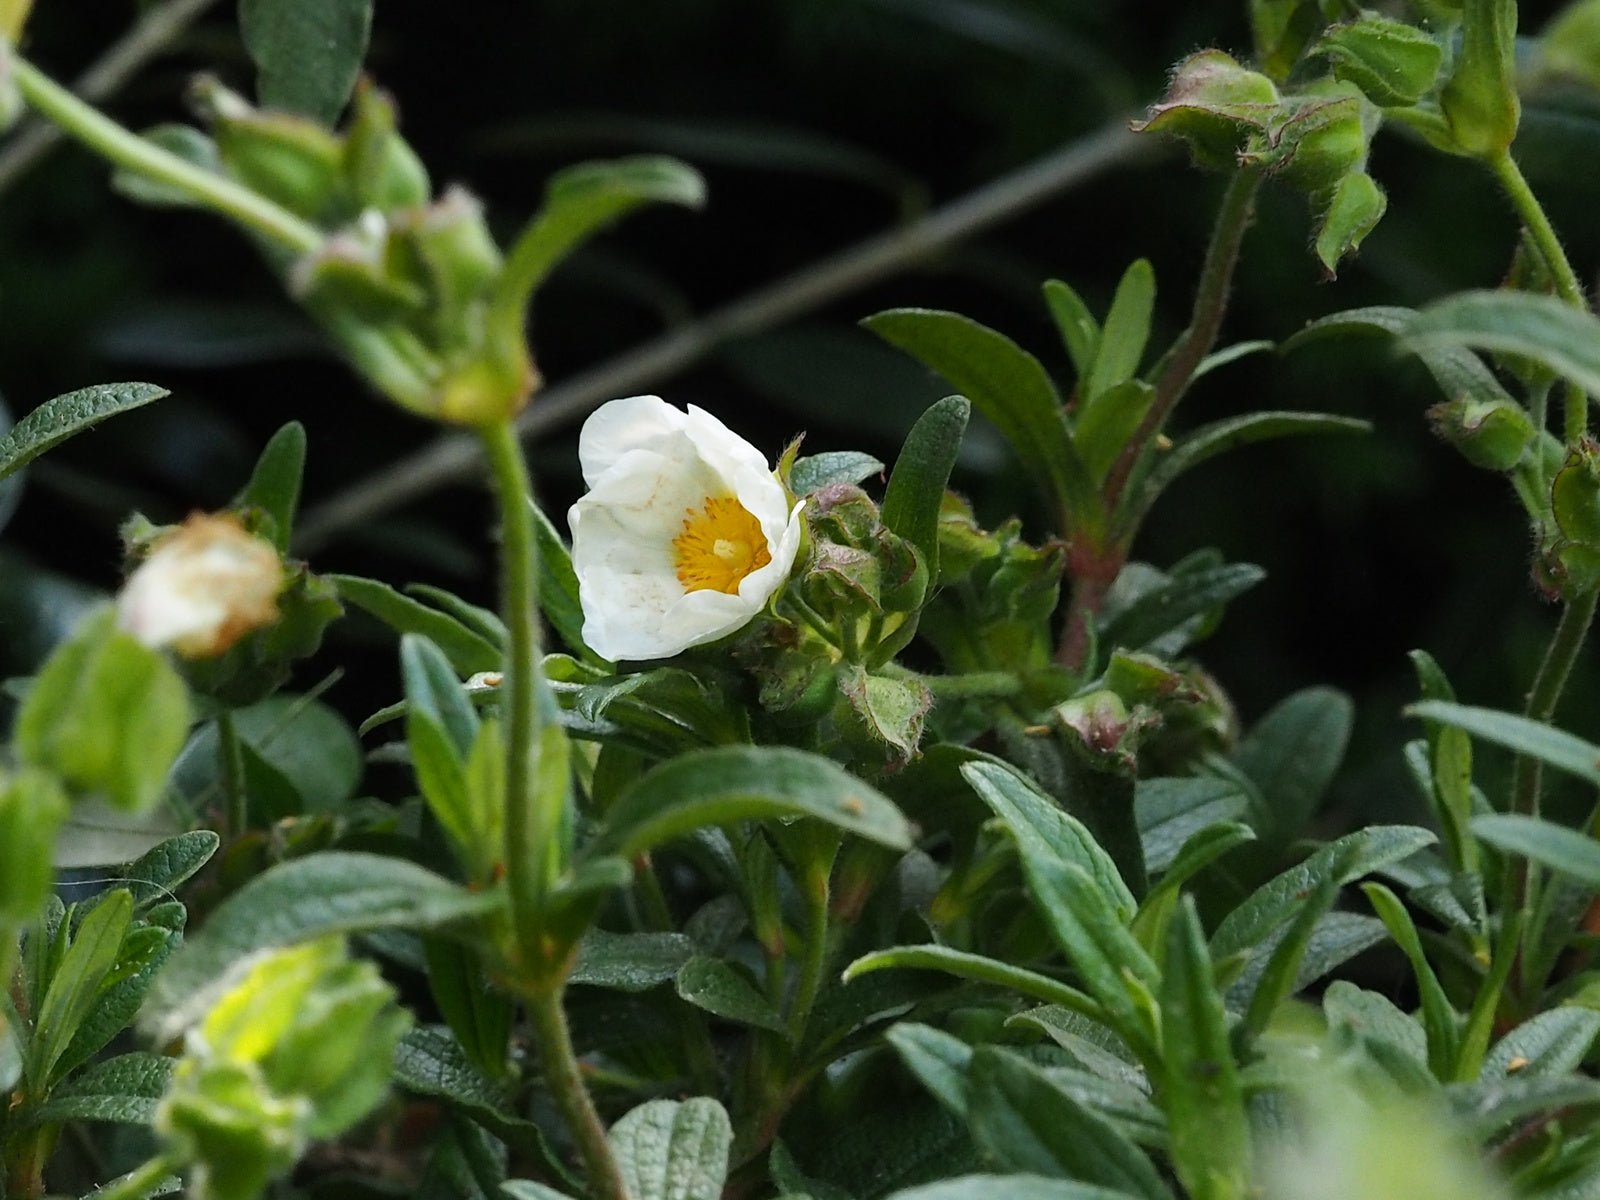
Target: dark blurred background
817,123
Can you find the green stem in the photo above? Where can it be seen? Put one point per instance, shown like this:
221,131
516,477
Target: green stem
971,685
143,157
1575,416
816,959
1205,323
231,750
565,1080
137,1182
532,821
1545,694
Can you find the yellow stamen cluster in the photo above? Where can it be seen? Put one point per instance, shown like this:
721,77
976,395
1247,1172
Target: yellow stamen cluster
720,545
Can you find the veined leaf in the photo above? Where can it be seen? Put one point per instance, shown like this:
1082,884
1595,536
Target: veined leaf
1554,846
669,1150
1541,328
1519,734
921,473
745,783
54,421
1007,385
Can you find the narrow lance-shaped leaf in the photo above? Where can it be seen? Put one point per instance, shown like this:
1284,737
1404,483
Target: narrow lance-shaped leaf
744,783
1079,330
921,473
1126,331
1541,328
1219,437
274,485
1519,734
1438,1017
1554,846
1010,387
578,203
468,651
331,892
1203,1099
54,421
966,965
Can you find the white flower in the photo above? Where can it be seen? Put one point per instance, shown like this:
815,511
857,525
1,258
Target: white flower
685,533
203,587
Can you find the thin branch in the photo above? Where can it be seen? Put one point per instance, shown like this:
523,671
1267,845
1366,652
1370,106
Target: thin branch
153,33
453,458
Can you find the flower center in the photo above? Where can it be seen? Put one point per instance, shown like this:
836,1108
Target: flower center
719,546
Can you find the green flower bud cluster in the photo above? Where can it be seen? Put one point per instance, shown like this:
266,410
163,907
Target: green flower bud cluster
299,1049
1143,711
403,281
1316,140
999,596
1493,434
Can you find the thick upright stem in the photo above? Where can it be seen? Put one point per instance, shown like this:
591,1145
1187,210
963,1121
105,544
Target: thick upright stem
530,824
565,1079
1205,322
1545,694
1575,415
143,157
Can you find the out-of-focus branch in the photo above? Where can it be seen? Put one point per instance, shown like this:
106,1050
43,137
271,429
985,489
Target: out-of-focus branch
153,33
452,458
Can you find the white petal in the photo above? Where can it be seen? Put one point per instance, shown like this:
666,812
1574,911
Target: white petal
618,426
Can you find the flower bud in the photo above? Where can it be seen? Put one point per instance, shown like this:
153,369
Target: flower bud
1574,559
459,258
202,587
1103,730
1351,209
1213,103
291,160
1480,102
1394,64
1324,138
382,170
1493,434
32,808
299,1049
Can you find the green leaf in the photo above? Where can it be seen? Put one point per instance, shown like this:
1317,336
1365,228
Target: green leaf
1180,599
330,892
671,1150
1540,328
1336,937
1123,339
630,962
106,714
1485,1107
1201,1094
938,1059
1104,428
1279,977
125,1090
144,951
1438,1017
307,52
1009,386
1376,1019
274,486
76,982
54,421
1550,1043
966,965
1275,902
434,690
1567,851
1393,63
1029,1124
1041,827
468,651
558,586
745,783
1012,1187
200,150
1171,811
578,202
1080,332
1352,210
1200,851
1221,436
912,501
1292,754
482,621
1519,734
722,990
833,466
155,876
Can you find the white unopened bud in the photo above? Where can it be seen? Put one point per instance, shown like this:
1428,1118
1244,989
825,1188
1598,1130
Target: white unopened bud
202,587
